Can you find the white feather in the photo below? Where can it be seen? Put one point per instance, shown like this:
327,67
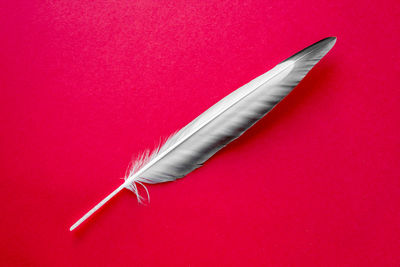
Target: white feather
190,147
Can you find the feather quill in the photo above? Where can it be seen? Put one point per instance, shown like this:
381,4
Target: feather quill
222,123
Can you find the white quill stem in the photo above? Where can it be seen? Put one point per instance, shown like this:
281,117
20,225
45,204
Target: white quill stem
189,148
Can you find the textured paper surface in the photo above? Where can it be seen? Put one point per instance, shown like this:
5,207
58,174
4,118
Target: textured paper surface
84,87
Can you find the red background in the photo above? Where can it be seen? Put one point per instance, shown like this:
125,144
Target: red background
86,86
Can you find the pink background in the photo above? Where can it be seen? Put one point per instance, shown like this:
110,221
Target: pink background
87,85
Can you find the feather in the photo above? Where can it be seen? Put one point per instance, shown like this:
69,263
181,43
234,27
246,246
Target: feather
222,123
